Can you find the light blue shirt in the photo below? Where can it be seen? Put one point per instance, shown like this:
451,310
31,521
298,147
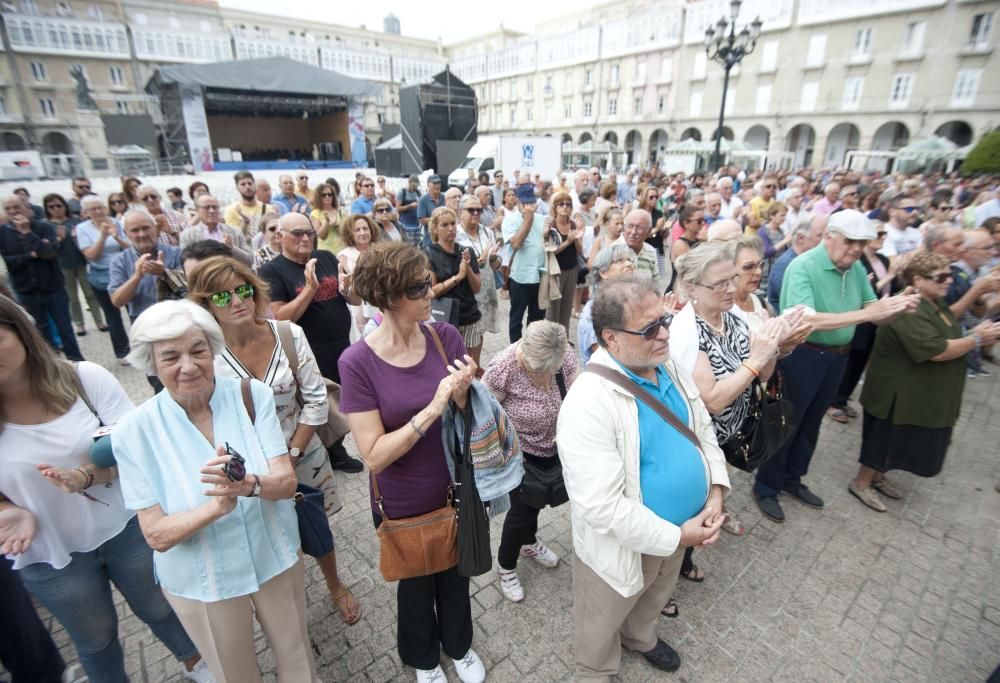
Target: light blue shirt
160,452
585,335
530,257
671,470
362,205
99,271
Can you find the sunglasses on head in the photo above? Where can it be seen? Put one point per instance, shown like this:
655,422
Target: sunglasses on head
224,298
649,332
236,468
418,290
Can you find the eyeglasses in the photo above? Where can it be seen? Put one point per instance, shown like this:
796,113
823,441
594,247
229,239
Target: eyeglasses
418,290
303,177
224,298
236,468
941,278
299,234
909,209
944,207
209,207
381,181
633,227
563,205
150,197
271,228
117,201
752,266
367,184
880,234
699,221
650,332
325,194
384,209
768,187
722,285
473,209
653,197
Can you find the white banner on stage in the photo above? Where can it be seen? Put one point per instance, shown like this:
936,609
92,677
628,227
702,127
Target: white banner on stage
196,125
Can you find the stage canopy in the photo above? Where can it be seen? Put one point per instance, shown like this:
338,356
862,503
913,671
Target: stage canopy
271,74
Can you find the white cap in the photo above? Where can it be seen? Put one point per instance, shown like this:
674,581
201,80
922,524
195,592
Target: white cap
852,224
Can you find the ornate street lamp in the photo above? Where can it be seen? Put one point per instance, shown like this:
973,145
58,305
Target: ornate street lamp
729,50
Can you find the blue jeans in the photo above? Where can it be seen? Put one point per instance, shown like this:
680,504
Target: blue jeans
55,304
811,379
79,596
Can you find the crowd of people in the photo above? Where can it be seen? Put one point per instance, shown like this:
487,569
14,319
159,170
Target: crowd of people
698,302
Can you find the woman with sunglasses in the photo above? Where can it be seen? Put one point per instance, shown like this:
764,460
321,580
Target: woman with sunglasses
483,243
117,205
358,232
386,217
272,240
206,466
64,522
649,200
327,217
455,275
566,231
399,436
237,299
941,211
717,348
882,276
912,395
692,220
73,263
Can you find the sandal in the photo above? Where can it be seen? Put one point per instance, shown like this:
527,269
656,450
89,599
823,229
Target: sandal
346,604
733,526
838,415
670,609
694,574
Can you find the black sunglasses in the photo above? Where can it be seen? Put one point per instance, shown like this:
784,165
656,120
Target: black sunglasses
418,291
325,194
941,278
650,331
224,298
383,209
236,468
473,210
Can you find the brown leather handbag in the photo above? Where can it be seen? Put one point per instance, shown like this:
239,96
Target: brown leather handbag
417,546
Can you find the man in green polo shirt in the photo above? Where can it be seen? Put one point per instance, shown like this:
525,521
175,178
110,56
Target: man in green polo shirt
830,280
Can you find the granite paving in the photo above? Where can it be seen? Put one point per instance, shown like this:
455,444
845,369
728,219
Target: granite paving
841,594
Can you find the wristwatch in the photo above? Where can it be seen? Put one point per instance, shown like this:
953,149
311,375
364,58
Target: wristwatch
294,452
255,491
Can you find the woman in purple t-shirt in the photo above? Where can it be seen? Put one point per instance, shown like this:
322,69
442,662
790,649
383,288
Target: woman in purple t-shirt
394,388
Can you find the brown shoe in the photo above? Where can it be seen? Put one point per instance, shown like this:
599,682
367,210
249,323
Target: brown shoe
867,496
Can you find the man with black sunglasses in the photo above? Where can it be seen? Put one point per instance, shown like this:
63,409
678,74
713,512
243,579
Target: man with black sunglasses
643,488
364,203
310,287
81,188
901,237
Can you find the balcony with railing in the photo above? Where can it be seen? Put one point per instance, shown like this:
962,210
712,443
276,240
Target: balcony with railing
65,36
175,46
255,48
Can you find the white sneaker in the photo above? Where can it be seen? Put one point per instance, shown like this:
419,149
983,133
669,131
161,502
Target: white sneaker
435,675
510,585
541,554
200,673
470,668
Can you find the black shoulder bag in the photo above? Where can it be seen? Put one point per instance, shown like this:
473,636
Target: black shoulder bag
545,486
767,427
474,554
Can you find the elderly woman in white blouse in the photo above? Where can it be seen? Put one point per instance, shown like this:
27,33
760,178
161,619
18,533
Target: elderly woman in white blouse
206,466
237,299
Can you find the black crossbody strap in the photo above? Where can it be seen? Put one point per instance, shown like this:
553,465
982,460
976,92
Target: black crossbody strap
561,381
647,398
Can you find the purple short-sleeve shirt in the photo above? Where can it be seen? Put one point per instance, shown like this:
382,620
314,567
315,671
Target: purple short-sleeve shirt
418,481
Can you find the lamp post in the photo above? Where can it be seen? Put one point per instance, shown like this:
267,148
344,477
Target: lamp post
729,49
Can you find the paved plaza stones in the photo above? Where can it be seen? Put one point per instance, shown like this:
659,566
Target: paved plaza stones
839,594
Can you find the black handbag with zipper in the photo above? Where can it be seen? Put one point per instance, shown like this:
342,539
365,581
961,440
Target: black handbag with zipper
766,429
544,486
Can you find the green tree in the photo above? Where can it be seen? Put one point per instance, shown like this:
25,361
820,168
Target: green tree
985,156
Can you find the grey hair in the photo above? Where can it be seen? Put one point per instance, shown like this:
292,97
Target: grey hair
90,199
691,266
133,213
169,320
145,188
725,180
608,255
611,302
793,192
749,242
936,236
693,193
544,346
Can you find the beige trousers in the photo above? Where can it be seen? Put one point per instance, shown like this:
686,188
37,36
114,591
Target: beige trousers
604,620
223,630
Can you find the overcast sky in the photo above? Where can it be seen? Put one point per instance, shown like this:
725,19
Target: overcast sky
452,21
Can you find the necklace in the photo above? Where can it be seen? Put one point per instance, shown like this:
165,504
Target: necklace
719,331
